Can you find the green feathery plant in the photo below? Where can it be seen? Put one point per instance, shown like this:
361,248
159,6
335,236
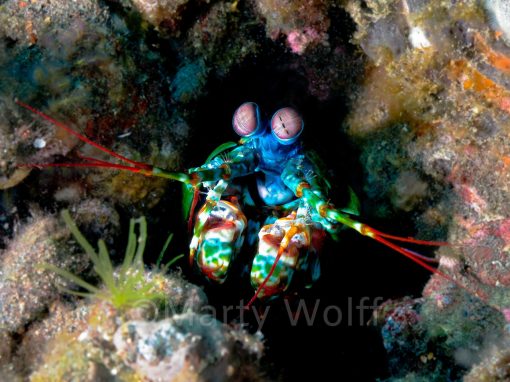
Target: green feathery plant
123,288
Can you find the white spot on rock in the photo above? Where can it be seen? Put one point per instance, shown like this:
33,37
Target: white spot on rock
418,39
39,143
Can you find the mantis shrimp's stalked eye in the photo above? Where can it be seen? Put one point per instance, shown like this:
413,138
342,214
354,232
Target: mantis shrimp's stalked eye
287,125
246,120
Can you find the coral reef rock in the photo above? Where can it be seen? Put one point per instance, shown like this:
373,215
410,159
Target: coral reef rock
26,288
97,340
186,347
432,122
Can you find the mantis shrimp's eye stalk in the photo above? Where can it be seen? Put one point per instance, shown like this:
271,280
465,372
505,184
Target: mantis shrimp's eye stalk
246,120
287,125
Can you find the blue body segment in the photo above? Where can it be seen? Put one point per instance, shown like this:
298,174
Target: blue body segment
273,155
272,158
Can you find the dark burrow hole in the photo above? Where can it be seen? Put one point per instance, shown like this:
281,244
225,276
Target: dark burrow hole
356,271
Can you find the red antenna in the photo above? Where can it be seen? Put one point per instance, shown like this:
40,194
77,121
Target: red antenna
130,165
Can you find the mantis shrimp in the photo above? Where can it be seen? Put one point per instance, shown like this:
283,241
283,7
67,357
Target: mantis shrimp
288,181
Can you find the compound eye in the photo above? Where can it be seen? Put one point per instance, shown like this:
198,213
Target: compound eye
246,119
287,125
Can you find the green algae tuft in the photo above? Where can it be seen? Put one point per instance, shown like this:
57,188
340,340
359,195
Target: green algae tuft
125,287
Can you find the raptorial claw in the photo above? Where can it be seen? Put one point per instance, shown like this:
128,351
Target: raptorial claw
218,235
284,247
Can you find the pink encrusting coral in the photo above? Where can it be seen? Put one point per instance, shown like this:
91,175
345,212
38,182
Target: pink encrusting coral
298,40
304,22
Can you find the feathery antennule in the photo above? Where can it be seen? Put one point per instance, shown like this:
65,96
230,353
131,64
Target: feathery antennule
410,255
410,239
422,261
431,260
136,166
132,165
86,165
89,159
